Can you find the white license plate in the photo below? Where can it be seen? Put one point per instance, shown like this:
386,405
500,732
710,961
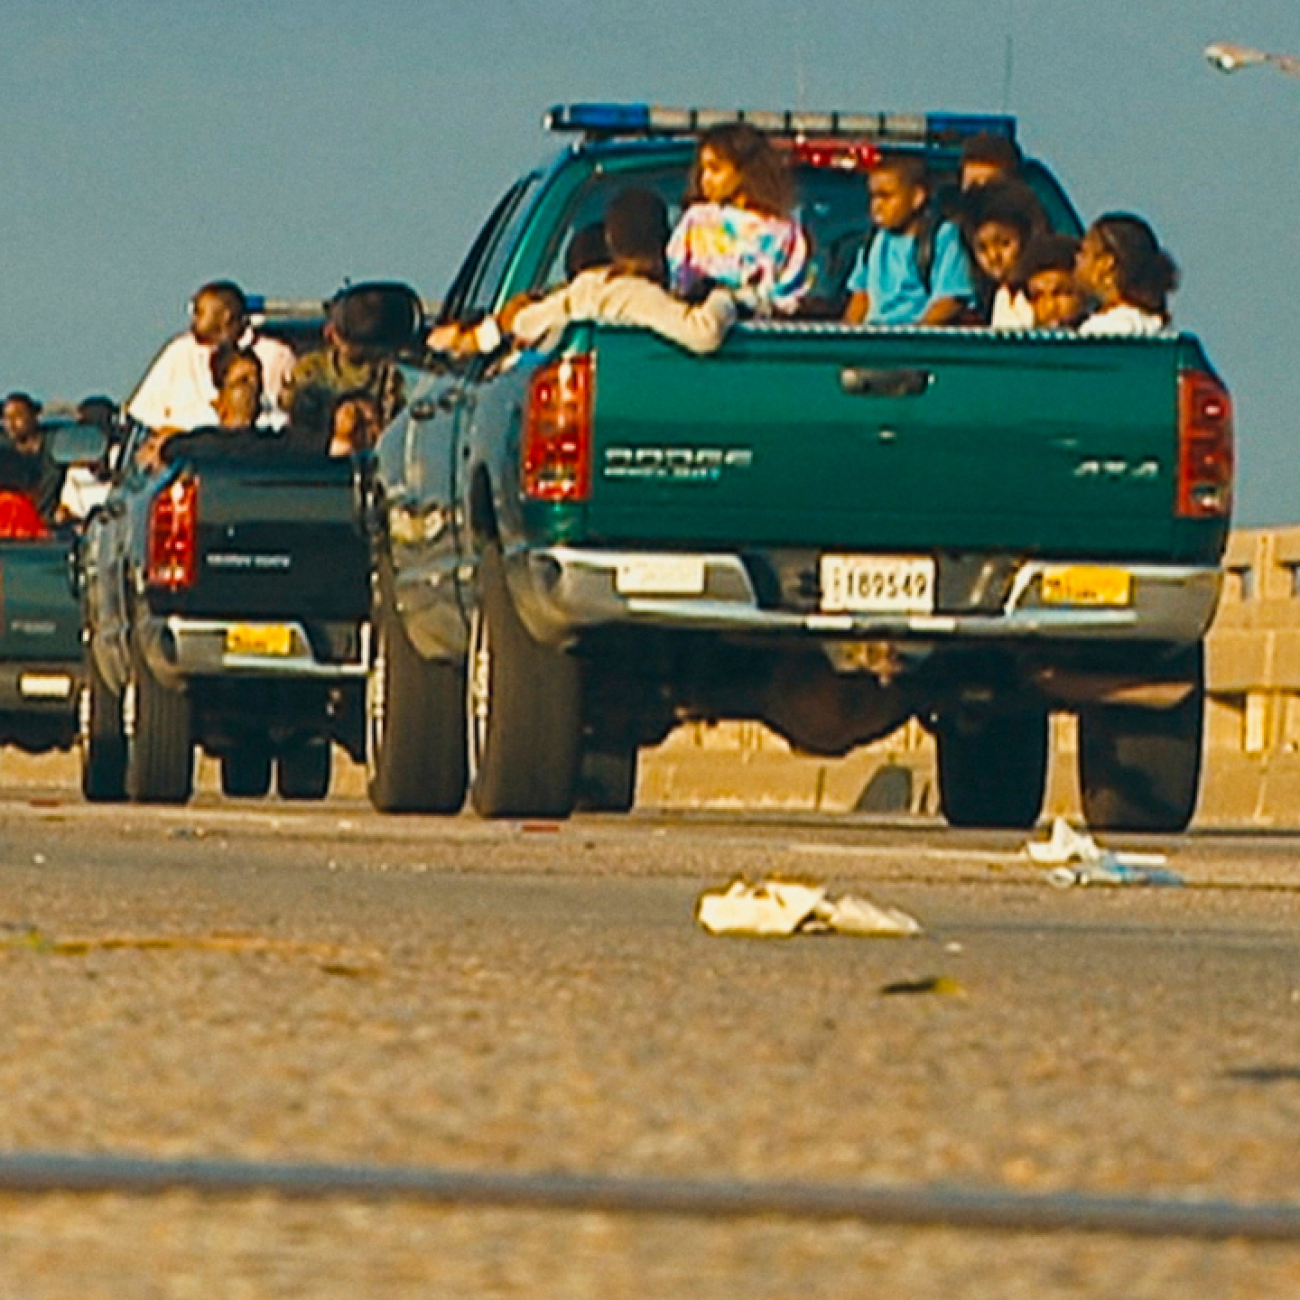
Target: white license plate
660,575
878,584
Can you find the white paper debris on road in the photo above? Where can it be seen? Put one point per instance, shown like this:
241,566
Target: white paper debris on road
781,908
1067,845
1075,858
853,915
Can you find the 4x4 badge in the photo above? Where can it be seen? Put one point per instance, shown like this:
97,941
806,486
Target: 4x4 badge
1114,467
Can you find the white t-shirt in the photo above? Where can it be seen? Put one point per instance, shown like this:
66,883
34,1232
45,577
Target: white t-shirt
1123,319
600,295
178,391
83,490
1011,311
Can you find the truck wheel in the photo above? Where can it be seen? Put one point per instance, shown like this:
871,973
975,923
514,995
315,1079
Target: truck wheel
160,751
607,781
993,774
245,772
415,724
524,710
103,740
1140,769
303,772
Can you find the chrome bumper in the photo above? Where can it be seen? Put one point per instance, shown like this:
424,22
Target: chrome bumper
176,647
561,591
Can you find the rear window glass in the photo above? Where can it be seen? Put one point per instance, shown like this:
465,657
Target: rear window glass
831,206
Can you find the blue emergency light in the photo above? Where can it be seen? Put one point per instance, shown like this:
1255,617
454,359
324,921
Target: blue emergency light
600,119
654,119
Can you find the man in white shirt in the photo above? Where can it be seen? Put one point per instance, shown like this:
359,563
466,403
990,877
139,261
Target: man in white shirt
178,392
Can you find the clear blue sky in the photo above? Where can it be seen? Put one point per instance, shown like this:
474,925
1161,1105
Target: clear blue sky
148,145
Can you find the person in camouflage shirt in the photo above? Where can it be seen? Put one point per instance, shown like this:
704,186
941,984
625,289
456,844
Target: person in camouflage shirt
342,366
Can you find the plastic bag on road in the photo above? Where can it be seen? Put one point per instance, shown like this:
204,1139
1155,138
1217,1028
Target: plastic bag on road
1075,858
781,908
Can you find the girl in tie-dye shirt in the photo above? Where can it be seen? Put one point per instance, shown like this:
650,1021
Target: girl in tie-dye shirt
736,230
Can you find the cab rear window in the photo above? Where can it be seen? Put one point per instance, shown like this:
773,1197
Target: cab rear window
832,207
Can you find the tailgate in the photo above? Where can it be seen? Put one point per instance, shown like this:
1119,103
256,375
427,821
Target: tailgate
807,435
279,541
40,617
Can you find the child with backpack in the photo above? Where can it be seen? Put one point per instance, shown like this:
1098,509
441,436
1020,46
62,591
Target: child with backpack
914,270
736,231
1122,265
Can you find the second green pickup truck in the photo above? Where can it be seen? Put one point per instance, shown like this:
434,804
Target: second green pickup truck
831,529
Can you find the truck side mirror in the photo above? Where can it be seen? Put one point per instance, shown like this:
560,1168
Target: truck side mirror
380,316
72,444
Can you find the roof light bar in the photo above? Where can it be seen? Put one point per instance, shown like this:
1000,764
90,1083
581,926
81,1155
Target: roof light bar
654,119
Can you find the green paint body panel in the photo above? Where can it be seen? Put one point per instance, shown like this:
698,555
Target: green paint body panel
40,617
1035,444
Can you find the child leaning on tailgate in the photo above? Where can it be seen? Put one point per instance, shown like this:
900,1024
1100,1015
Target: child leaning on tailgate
629,291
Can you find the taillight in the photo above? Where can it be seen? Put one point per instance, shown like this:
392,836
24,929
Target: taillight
173,534
557,431
1204,447
20,519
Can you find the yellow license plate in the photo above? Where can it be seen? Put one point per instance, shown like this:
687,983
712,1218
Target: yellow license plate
259,639
1087,584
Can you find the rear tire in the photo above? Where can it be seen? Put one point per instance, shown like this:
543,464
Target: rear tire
303,772
994,773
524,710
1140,769
607,781
103,740
245,773
415,724
160,751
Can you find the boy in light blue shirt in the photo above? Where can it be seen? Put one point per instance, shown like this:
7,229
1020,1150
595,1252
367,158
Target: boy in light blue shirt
890,284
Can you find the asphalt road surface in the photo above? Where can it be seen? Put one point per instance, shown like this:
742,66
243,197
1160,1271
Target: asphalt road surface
267,982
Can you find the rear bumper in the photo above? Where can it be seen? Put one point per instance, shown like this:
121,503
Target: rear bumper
564,591
180,648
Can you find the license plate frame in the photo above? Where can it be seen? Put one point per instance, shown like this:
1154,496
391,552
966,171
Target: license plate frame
878,584
260,640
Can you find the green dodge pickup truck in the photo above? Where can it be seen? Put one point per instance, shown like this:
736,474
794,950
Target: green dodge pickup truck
829,528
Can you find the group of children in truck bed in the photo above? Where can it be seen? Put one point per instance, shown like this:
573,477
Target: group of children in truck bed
982,255
980,252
